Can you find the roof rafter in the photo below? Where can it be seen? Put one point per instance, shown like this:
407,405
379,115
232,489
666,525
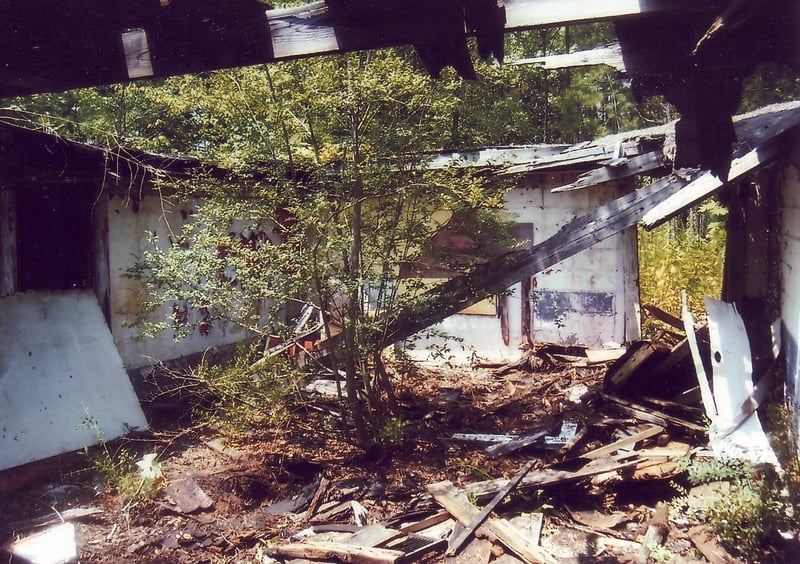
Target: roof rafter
52,47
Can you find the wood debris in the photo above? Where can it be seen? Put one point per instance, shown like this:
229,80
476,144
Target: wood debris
545,465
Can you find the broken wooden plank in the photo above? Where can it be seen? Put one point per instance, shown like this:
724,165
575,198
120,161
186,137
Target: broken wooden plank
660,462
522,14
663,316
624,168
322,489
649,414
609,55
428,522
549,476
455,543
638,355
517,542
581,154
496,529
679,354
702,378
648,432
492,157
708,184
330,550
691,411
599,356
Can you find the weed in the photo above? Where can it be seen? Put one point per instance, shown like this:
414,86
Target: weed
660,553
393,432
744,504
117,470
239,395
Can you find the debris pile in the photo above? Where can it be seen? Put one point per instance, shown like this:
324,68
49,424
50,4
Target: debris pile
563,456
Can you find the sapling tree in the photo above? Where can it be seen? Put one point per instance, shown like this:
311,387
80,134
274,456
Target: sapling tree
329,222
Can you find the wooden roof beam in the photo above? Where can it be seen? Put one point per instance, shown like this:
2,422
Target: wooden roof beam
52,47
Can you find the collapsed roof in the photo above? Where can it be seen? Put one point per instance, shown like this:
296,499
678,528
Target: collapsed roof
695,54
762,135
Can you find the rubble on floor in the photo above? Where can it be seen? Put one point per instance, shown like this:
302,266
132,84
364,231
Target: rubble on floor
555,459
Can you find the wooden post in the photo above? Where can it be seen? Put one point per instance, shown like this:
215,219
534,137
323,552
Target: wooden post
8,241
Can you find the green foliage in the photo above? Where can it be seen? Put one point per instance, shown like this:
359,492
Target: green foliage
685,254
769,84
117,469
242,395
324,202
749,510
393,432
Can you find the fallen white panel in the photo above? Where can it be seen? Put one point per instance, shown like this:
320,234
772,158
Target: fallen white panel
733,387
58,366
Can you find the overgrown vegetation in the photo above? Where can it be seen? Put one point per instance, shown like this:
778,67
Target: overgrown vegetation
750,507
118,469
326,206
324,203
687,253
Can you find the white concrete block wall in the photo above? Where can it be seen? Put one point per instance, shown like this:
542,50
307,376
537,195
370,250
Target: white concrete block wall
127,240
607,273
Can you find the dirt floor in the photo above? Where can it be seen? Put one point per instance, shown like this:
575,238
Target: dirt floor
598,519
